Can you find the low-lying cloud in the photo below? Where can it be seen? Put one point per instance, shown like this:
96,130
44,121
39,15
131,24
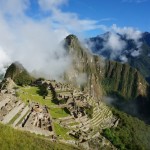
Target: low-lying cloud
36,40
114,44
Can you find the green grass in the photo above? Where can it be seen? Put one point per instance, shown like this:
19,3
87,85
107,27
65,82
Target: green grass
74,123
58,113
31,93
14,118
61,132
20,121
11,139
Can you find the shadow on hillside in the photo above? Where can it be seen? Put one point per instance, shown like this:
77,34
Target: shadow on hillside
139,107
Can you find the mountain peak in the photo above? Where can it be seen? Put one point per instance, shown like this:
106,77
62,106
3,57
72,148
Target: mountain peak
18,73
71,38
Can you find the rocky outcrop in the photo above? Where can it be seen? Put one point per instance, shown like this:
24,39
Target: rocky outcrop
86,68
103,76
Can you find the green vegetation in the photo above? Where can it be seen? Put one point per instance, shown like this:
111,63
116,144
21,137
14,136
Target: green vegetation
61,132
23,78
89,112
31,94
14,118
123,80
58,112
43,91
18,73
19,140
74,123
131,133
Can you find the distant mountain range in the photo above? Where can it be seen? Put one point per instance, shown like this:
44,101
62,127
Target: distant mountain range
135,53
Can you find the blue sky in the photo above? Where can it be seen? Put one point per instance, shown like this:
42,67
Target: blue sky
108,12
129,13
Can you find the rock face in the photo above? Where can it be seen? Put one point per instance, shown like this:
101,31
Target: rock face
18,73
7,84
103,76
124,80
86,68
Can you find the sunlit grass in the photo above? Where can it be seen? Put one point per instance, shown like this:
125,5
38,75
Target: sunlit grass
58,113
12,139
31,94
61,132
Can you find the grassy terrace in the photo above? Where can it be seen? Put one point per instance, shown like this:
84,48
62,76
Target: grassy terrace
58,113
31,93
62,132
20,140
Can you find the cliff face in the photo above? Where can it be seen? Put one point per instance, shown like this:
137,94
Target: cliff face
103,76
125,80
86,69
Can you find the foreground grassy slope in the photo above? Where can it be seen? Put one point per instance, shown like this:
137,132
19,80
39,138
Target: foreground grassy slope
19,140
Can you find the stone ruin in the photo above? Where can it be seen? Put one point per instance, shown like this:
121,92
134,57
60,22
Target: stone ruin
38,120
7,86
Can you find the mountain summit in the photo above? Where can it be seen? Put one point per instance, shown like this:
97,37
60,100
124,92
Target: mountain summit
19,74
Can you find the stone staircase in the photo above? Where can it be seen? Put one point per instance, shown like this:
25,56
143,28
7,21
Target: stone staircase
102,117
22,114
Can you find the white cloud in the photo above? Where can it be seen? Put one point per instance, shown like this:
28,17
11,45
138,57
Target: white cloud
81,79
135,53
114,44
48,5
129,32
35,43
14,7
4,60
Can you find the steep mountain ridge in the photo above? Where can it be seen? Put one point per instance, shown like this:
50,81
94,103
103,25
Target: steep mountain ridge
103,75
125,80
86,68
121,82
140,62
